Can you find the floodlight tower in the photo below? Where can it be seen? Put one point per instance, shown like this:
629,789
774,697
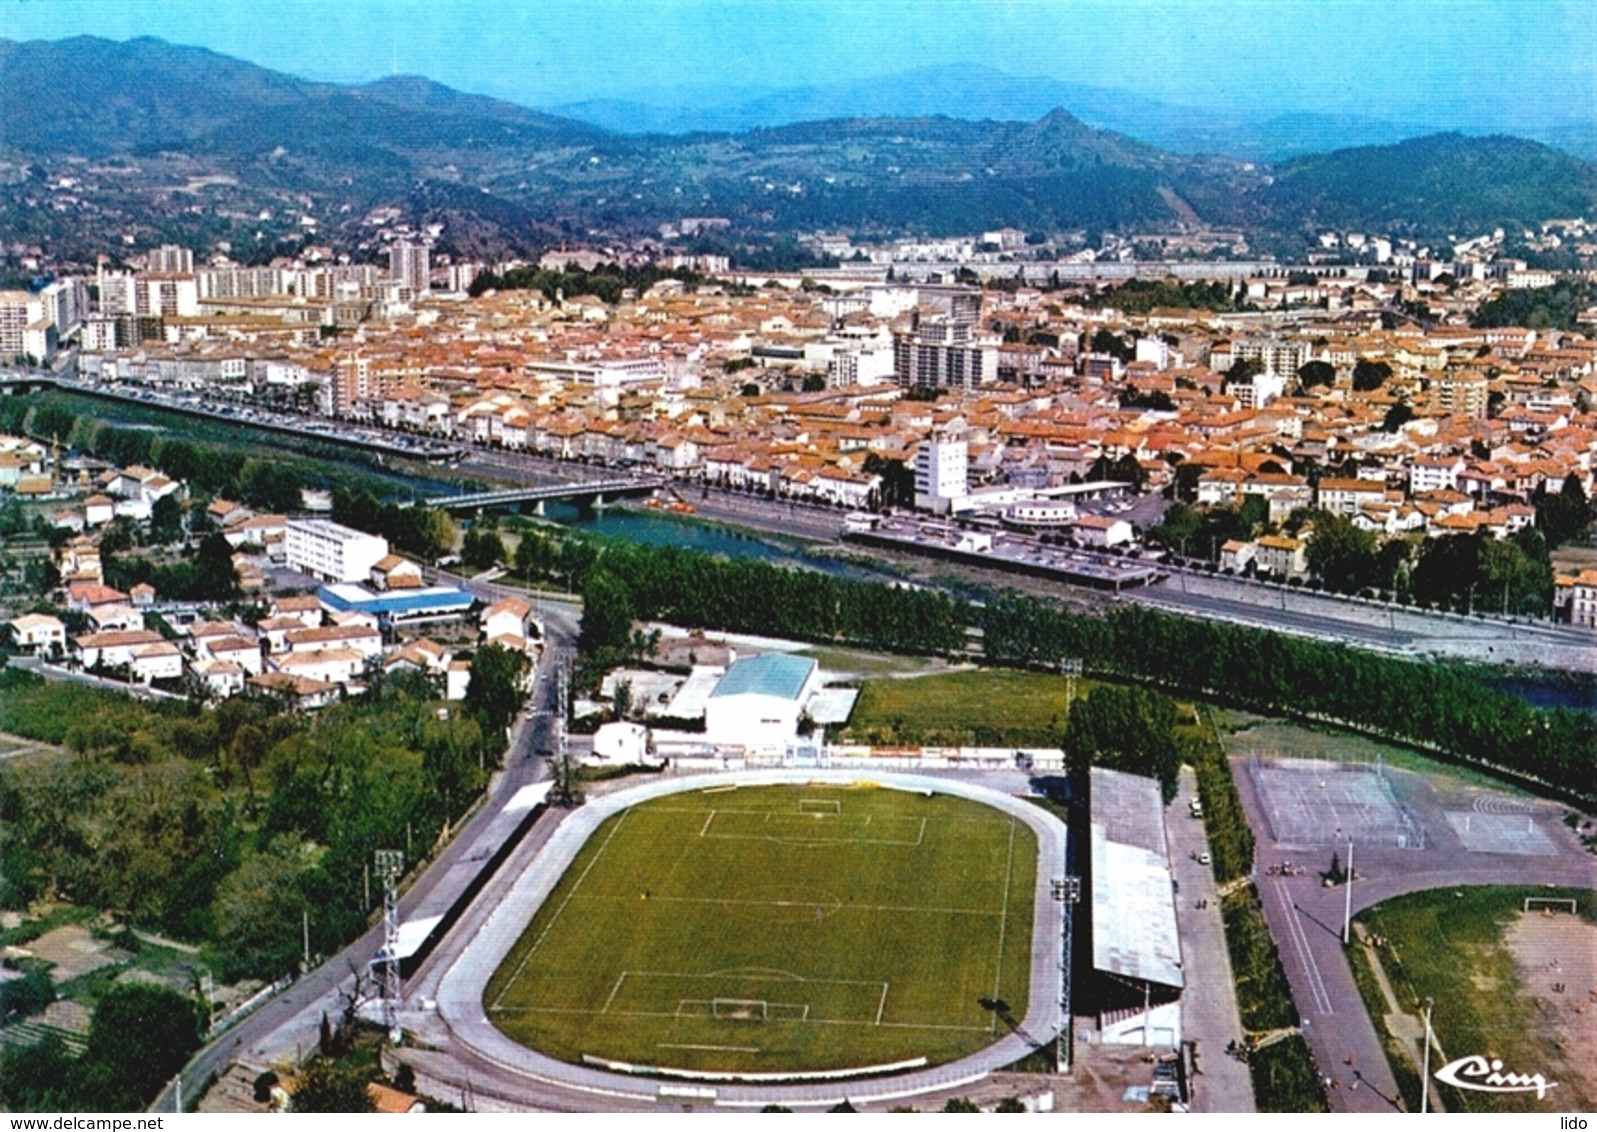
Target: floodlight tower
1067,893
390,866
1071,668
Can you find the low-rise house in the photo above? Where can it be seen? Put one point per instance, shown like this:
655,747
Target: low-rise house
221,678
39,634
160,661
113,617
364,640
304,608
1281,556
113,650
1102,530
1235,555
393,572
239,650
99,510
1575,599
510,617
305,694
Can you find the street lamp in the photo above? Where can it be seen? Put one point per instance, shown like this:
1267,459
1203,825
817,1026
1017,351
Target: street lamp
1425,1073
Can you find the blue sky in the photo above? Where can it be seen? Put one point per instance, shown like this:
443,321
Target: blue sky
1492,61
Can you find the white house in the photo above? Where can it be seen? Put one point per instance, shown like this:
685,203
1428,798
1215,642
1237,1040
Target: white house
1102,530
113,649
160,661
510,617
38,633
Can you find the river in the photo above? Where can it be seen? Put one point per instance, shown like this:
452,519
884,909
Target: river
656,529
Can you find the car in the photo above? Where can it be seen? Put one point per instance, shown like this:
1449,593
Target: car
1203,858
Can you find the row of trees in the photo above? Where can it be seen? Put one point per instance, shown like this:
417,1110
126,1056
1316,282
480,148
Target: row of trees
625,582
1437,705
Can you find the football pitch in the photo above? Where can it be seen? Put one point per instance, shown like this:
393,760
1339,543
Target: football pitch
779,929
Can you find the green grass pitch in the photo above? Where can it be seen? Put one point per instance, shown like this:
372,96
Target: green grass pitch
779,929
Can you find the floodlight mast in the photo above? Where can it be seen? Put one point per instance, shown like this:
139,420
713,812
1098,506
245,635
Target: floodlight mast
390,866
1067,893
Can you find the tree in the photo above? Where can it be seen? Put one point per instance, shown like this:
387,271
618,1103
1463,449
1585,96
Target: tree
961,1104
166,520
1341,555
1315,373
1128,729
258,909
607,615
814,383
1369,376
1397,416
535,554
495,694
483,549
1563,516
141,1034
325,1085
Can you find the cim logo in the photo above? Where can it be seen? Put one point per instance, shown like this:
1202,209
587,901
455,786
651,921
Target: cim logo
1476,1072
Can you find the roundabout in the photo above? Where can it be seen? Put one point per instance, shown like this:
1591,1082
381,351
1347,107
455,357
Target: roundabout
758,1004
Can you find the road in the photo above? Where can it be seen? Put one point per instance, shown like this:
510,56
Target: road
1374,625
1209,1015
1306,921
286,1026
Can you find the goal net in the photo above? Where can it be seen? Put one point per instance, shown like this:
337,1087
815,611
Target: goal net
740,1009
1552,903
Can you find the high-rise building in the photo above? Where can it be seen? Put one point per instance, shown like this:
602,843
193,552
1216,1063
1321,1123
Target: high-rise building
411,265
930,364
171,259
22,325
941,473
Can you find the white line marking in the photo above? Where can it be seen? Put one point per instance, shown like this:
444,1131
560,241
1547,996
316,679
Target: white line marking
708,818
1003,922
522,966
1300,940
615,990
881,1007
712,1049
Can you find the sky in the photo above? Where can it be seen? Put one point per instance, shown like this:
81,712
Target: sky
1493,61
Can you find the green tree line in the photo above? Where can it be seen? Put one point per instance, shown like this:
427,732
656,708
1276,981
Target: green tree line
1438,706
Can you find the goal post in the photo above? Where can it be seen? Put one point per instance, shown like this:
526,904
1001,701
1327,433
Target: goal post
740,1009
1555,903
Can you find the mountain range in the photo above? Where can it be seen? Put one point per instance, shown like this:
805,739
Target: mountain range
977,92
105,145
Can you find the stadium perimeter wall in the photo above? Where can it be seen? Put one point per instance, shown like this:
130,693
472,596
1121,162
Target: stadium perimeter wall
460,993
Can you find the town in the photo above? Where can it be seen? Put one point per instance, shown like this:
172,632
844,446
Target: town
1379,446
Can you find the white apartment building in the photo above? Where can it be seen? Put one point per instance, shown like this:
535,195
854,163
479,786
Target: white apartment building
411,265
331,551
24,327
942,468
